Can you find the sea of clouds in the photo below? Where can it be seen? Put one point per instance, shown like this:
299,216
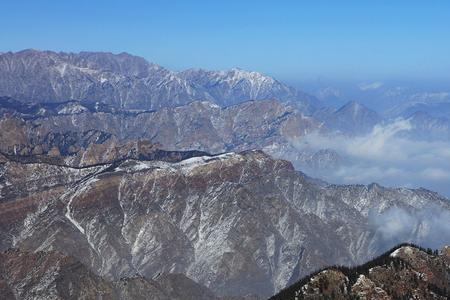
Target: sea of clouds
386,156
392,158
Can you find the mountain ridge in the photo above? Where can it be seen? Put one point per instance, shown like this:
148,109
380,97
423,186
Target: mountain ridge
197,216
128,81
367,281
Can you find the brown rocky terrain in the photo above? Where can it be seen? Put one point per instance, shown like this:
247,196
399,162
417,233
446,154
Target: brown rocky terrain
120,179
52,275
199,125
237,223
405,272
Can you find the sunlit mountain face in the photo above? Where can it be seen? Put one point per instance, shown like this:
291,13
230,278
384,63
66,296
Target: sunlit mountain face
224,150
101,163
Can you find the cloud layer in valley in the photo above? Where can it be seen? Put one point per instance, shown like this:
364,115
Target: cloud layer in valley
384,156
431,226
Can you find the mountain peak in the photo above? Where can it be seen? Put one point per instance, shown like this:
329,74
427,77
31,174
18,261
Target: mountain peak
352,118
131,82
355,110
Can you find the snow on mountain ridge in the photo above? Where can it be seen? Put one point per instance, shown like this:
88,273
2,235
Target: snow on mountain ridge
130,82
198,215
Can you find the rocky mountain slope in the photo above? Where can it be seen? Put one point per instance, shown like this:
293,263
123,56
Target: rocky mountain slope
127,81
237,85
405,272
69,126
121,179
52,275
238,223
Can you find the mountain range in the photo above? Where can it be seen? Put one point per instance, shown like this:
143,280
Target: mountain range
123,180
417,273
127,82
350,119
130,82
237,223
387,98
76,127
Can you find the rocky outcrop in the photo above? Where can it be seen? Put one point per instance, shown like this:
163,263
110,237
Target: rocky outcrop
236,85
405,272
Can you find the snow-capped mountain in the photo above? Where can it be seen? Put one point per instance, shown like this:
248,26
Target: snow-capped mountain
127,81
130,172
237,85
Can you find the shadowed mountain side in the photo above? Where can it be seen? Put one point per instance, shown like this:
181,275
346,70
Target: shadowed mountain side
28,275
238,223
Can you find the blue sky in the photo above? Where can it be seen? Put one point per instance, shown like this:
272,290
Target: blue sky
287,39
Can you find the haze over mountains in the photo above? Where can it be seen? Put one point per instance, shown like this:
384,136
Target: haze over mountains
236,223
389,98
127,81
131,172
104,81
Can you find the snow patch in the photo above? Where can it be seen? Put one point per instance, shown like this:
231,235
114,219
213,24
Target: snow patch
69,211
72,109
406,250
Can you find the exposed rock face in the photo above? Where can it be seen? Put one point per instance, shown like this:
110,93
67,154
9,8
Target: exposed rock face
52,275
98,207
198,125
90,148
236,223
48,275
407,272
128,81
237,85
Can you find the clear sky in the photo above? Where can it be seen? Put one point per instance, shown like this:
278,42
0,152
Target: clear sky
288,39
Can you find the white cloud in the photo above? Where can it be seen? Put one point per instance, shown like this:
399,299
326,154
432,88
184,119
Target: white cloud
436,174
429,227
370,86
385,157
